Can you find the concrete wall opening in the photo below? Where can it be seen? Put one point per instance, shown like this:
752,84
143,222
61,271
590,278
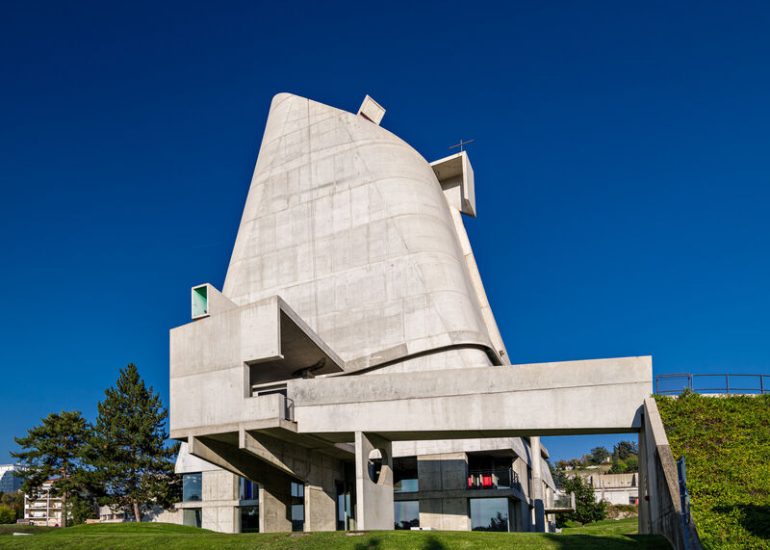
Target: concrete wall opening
200,301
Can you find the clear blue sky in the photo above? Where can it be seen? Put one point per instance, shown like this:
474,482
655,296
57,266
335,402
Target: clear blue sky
621,162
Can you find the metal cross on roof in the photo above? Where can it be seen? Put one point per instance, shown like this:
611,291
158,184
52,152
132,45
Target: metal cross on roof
461,144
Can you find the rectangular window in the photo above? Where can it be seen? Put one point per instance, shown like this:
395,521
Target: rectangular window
406,514
192,517
405,475
200,301
191,487
247,489
249,519
297,491
489,514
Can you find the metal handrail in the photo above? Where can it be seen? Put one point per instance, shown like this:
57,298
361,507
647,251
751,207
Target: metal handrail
288,408
509,478
690,382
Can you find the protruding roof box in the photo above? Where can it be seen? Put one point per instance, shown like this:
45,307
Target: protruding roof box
371,110
455,175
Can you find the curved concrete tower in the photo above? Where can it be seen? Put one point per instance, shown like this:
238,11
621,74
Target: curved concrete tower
353,329
351,227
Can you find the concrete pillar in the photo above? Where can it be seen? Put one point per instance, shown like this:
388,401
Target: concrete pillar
374,498
644,502
274,505
321,493
536,490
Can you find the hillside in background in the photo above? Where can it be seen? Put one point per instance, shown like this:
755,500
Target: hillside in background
726,444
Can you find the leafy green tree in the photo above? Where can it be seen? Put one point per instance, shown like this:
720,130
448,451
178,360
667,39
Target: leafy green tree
625,458
54,451
587,510
128,450
7,514
598,455
625,449
14,500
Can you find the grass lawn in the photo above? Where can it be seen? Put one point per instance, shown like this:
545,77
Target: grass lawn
127,536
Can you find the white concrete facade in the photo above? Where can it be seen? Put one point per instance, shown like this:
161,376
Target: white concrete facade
353,329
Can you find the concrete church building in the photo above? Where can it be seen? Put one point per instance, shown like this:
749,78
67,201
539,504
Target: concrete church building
350,373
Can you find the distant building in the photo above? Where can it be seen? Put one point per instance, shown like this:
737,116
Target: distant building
9,481
42,508
116,514
612,488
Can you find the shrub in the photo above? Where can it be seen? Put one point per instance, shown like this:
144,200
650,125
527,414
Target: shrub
587,510
7,514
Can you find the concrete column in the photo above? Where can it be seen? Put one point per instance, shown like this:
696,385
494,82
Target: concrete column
644,502
374,498
320,493
536,490
274,505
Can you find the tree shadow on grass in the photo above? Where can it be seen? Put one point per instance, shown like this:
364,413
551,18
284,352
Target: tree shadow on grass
617,542
373,543
755,518
432,543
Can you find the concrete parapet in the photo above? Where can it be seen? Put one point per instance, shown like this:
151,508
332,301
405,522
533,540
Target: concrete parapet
660,509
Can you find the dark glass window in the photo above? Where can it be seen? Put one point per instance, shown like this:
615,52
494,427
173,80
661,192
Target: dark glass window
407,514
297,506
247,489
192,517
405,475
249,519
489,514
191,487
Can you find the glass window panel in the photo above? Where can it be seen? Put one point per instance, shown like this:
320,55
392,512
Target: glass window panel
407,514
405,475
249,519
489,514
248,490
192,517
191,487
297,517
297,490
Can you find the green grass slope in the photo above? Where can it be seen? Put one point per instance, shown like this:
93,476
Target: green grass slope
726,444
126,536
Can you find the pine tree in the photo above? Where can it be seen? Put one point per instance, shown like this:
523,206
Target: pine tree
54,451
587,510
128,449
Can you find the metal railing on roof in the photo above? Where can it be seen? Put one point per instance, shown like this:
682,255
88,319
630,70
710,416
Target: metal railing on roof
674,384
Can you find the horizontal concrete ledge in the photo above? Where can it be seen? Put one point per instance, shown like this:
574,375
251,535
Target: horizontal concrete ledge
233,428
343,437
575,397
499,379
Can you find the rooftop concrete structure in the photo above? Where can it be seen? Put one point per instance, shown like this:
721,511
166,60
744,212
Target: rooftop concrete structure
353,321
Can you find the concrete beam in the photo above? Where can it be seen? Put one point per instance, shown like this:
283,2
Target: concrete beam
290,459
597,396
